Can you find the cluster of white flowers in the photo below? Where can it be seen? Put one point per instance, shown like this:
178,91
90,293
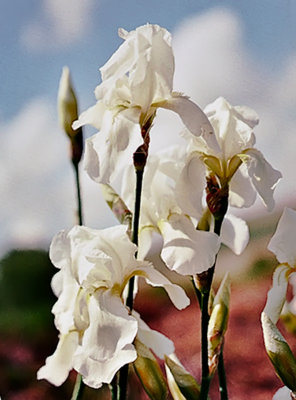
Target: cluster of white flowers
97,329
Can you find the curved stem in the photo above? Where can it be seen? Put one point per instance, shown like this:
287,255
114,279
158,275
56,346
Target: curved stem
123,374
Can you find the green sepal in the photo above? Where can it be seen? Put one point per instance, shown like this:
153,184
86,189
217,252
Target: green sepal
150,373
279,353
185,382
117,205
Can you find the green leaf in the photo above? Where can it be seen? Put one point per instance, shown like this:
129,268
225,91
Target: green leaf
149,373
185,382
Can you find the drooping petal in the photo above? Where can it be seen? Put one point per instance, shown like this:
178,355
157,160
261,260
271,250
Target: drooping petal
185,249
107,343
191,185
175,292
277,294
242,193
192,116
59,364
92,116
235,233
282,244
112,148
156,341
263,176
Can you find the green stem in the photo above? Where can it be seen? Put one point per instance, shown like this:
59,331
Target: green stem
78,193
79,385
222,378
123,374
206,379
78,388
221,368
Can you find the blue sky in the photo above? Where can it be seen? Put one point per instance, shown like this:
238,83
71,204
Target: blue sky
245,51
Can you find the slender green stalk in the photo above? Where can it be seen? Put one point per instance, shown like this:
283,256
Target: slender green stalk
222,378
221,368
78,388
136,220
79,385
123,374
206,379
78,193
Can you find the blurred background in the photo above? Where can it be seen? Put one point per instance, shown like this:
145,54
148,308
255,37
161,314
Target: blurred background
244,51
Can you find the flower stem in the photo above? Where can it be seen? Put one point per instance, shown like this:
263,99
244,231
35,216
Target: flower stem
221,368
79,385
205,377
222,378
123,374
136,220
78,388
78,193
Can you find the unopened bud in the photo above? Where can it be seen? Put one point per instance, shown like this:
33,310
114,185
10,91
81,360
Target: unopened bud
279,353
67,103
68,113
182,385
149,373
218,323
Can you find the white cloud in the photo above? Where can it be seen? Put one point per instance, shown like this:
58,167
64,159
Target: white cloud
37,181
59,24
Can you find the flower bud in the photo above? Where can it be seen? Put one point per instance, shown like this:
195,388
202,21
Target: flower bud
279,353
182,385
68,113
149,372
218,323
67,103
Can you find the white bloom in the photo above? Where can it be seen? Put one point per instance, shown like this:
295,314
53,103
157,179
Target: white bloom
185,250
282,244
236,162
136,80
96,329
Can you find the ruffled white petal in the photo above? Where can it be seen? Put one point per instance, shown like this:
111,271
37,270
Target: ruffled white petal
263,176
175,292
276,296
185,249
59,364
242,193
282,244
154,340
191,185
192,116
111,149
106,344
235,233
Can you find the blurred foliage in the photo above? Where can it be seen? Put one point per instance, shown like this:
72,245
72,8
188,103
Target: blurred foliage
261,269
26,297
